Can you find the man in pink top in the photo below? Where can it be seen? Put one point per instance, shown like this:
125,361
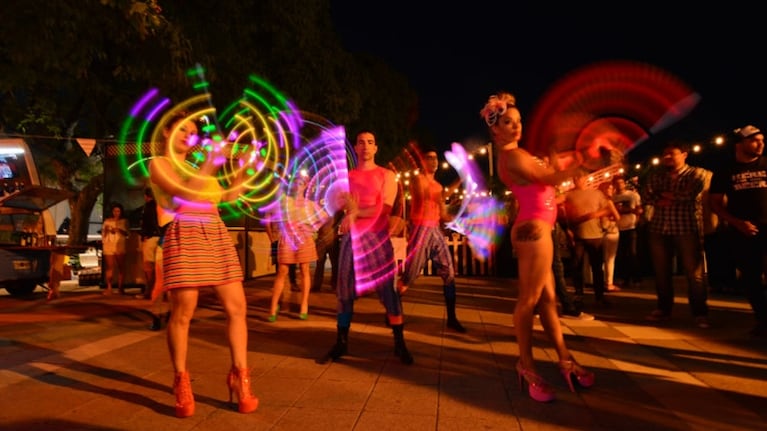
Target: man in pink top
426,240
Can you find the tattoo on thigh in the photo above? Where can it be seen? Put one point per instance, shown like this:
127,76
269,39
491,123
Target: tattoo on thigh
528,232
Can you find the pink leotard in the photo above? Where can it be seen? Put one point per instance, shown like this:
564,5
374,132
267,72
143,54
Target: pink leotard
536,202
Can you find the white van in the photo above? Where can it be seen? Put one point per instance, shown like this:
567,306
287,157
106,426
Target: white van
27,232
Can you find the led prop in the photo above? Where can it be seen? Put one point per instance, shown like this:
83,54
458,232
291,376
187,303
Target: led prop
478,217
254,137
311,191
606,109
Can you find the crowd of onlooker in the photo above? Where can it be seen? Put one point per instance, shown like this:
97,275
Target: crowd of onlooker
707,225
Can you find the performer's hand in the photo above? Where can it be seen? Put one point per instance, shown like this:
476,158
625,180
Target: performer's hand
352,205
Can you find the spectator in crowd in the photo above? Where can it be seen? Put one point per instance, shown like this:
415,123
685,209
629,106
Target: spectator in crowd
611,237
674,191
150,236
570,308
585,207
629,204
327,245
738,195
719,269
114,235
295,245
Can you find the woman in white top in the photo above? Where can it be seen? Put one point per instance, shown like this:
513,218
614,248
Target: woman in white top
610,238
114,234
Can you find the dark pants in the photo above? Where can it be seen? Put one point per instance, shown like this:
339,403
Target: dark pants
689,252
560,283
592,248
752,262
720,262
325,250
627,260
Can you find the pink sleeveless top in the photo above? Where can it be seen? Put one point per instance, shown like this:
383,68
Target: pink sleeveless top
368,187
536,202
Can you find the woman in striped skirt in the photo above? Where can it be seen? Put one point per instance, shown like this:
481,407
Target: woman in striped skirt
198,252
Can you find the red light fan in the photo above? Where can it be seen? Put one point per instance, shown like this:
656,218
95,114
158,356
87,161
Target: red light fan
605,110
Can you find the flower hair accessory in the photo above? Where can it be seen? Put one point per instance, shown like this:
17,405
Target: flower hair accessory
496,106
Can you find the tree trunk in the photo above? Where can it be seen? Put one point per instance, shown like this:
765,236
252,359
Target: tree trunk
80,208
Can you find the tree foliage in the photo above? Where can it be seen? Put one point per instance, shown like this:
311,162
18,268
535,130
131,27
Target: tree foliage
73,69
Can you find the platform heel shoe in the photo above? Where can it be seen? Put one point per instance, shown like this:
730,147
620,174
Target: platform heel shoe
182,388
238,382
574,373
537,388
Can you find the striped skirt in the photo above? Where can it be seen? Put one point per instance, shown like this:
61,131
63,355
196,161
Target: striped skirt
199,252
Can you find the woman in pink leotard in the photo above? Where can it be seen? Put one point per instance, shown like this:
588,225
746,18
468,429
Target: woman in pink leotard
532,182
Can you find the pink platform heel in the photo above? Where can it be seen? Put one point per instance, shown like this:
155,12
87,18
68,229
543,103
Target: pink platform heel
182,388
238,382
537,388
573,372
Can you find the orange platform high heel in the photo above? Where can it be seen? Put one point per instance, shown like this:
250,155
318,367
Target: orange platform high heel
182,388
537,388
238,381
573,372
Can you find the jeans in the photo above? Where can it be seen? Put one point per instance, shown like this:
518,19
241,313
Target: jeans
689,251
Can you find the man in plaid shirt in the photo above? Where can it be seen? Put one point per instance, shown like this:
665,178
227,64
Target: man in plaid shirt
674,191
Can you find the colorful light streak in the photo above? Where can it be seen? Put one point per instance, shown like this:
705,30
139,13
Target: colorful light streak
606,108
479,216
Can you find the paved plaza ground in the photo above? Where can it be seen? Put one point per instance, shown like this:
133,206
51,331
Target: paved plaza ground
88,362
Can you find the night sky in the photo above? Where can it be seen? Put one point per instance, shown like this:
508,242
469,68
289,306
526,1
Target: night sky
455,57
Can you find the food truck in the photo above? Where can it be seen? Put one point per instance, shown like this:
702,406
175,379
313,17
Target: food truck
27,231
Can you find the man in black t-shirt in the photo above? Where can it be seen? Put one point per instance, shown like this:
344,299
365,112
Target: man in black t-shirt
738,195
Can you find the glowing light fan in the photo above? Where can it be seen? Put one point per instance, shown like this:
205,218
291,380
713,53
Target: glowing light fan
478,217
605,110
320,165
254,136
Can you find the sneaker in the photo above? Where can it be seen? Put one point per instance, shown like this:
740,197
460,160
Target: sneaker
578,316
702,322
658,316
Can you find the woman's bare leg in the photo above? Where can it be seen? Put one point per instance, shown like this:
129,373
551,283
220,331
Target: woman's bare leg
120,266
277,287
183,303
232,297
547,308
109,259
534,257
306,285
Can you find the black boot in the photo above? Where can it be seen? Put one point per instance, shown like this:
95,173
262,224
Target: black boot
452,321
156,323
339,349
400,349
